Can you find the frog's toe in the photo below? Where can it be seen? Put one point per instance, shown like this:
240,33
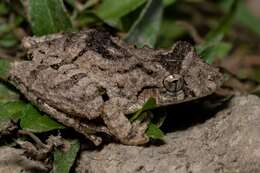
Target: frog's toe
119,125
137,134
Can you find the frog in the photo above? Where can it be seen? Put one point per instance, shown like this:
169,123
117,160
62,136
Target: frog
91,80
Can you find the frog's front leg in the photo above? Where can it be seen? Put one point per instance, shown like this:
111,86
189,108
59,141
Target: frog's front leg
120,126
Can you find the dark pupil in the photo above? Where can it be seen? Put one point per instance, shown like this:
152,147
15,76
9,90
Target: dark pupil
173,83
174,86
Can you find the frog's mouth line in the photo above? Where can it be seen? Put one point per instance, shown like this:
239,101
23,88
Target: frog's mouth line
146,88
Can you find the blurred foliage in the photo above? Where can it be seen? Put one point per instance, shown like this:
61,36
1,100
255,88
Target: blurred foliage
213,26
212,46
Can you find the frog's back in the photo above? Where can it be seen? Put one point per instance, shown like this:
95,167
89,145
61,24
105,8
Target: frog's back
77,72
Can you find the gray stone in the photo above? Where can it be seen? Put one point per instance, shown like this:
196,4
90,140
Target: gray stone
227,143
13,161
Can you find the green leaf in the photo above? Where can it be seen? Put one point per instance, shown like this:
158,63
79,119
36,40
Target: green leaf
12,110
63,160
149,104
4,68
33,121
154,132
7,95
48,16
146,28
111,11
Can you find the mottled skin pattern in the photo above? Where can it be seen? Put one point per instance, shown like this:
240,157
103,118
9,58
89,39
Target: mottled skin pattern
90,80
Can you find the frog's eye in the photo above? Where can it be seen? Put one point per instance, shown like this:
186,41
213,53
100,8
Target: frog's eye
173,83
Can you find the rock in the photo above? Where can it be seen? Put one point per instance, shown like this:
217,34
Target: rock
13,160
229,142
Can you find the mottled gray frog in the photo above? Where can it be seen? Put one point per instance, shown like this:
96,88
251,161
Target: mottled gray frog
91,80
